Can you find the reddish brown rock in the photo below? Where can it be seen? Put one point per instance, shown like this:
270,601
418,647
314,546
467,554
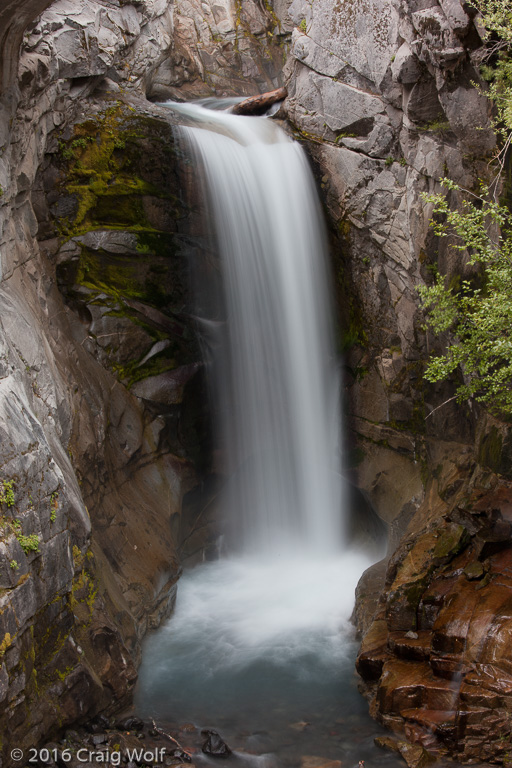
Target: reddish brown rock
373,652
474,570
411,685
451,626
411,645
432,601
414,755
443,643
450,666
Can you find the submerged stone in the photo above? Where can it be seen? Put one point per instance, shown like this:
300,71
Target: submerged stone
300,726
215,745
311,761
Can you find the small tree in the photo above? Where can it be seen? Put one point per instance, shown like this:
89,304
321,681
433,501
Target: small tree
479,317
479,314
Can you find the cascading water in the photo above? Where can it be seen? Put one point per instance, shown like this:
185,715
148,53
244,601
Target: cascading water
263,635
278,384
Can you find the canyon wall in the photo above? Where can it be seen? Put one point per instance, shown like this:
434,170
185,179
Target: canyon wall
384,95
105,482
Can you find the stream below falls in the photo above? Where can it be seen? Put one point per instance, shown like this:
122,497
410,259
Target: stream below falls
263,653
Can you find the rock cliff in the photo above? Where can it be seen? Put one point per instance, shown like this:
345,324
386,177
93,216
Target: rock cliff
77,444
384,95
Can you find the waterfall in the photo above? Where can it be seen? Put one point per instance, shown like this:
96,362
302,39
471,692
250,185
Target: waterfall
276,375
262,636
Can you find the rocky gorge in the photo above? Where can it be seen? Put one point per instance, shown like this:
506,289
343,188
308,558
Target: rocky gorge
108,477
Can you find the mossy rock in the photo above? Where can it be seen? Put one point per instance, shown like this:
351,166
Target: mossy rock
489,453
119,175
403,603
495,452
453,539
110,163
474,571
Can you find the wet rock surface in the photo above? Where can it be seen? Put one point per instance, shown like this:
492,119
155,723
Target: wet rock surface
214,745
413,754
434,659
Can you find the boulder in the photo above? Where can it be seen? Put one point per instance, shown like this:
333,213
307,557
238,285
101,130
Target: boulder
215,745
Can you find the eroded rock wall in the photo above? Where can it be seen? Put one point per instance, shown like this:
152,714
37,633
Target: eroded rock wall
15,15
435,658
383,92
223,48
102,397
76,442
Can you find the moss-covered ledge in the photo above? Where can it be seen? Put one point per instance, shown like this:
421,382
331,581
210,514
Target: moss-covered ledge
109,202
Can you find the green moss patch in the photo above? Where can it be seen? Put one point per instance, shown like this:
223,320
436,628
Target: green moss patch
490,450
118,173
104,169
453,539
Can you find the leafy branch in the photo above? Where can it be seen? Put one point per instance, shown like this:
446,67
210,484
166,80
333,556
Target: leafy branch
477,316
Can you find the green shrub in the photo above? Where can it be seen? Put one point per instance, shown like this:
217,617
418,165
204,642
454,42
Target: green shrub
476,314
7,493
29,543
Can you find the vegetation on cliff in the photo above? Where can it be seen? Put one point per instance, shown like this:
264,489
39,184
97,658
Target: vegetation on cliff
477,311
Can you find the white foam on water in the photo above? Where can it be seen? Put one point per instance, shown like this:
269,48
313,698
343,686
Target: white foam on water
235,612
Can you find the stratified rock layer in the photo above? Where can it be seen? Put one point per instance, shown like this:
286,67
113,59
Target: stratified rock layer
436,657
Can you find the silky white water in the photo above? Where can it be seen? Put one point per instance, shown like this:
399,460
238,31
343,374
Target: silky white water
276,371
263,635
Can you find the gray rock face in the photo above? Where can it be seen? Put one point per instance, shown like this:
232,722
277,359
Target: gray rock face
15,15
223,48
383,94
406,68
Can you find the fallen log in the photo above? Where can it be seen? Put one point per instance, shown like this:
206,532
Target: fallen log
257,105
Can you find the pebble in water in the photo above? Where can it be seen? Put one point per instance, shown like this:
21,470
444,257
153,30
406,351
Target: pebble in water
214,745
